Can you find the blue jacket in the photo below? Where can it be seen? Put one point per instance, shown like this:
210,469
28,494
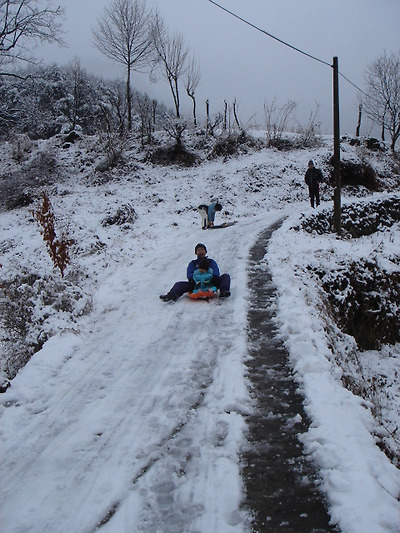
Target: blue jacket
203,279
195,264
211,212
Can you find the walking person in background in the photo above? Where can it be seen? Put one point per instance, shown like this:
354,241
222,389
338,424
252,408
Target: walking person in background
313,178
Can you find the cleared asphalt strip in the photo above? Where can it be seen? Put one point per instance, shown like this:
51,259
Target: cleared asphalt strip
281,484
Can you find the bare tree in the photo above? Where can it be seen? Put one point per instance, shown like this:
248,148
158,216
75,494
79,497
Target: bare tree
146,114
309,132
110,137
24,24
113,110
192,81
212,125
382,105
170,56
175,128
277,118
74,103
235,113
225,114
122,35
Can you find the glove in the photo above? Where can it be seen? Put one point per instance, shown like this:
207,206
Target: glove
192,285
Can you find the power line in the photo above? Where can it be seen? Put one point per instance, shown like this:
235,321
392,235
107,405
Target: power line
270,34
355,86
287,44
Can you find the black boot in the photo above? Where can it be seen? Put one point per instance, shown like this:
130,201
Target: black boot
167,297
224,294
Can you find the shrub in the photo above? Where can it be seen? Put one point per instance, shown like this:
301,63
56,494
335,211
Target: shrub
358,219
32,309
58,248
21,147
233,144
124,215
364,302
173,155
356,174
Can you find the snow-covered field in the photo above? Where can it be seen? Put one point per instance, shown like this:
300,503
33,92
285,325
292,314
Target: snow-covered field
134,415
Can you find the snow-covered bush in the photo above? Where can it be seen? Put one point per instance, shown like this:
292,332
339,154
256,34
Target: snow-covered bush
358,219
176,154
359,297
355,173
24,183
124,215
32,309
233,144
21,147
364,297
43,164
365,302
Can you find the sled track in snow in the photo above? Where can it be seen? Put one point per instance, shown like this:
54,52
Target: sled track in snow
162,450
281,484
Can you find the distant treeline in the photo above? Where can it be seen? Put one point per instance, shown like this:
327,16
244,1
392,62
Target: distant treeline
44,101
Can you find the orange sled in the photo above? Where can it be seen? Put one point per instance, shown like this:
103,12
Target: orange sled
202,295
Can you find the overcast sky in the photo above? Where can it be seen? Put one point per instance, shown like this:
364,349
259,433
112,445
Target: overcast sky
238,62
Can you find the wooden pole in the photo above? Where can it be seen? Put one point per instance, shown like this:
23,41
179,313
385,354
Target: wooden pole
337,209
359,120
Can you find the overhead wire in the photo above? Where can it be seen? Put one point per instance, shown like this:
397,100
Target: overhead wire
356,86
286,44
270,34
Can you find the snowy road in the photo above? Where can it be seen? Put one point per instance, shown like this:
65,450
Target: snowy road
133,418
134,422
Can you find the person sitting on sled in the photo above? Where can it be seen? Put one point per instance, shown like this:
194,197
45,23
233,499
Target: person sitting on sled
221,282
207,213
203,277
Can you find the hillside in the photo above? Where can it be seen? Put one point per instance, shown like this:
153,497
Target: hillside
127,408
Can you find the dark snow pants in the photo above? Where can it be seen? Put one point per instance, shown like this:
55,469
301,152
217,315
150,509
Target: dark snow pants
181,287
314,194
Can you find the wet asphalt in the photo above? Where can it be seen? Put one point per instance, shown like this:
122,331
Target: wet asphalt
281,482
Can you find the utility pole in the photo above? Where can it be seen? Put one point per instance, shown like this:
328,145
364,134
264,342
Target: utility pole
337,209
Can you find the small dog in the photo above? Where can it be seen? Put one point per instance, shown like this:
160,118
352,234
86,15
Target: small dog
203,210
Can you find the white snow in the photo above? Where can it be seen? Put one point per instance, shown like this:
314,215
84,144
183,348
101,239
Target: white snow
139,407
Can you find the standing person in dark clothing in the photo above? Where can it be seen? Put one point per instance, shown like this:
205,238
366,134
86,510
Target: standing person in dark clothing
221,282
313,178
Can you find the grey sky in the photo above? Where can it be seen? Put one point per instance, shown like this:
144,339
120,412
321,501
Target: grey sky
238,62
